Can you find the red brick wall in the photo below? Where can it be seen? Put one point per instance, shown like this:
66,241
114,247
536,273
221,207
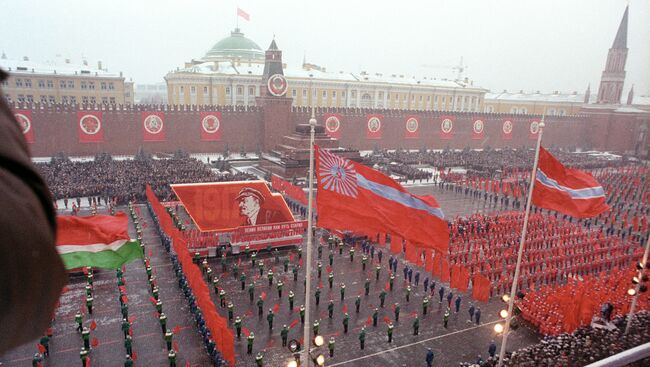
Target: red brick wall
55,130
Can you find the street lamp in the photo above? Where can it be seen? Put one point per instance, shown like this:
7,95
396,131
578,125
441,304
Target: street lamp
310,233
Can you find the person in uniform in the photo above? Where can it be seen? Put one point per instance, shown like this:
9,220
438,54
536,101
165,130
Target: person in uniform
362,338
330,346
168,339
357,303
284,334
259,360
128,345
342,291
302,314
126,326
391,280
163,322
375,316
242,279
382,298
331,258
330,279
238,326
89,305
269,318
425,305
416,325
366,286
291,296
330,308
251,292
408,293
346,321
84,357
317,295
78,318
230,310
445,317
128,361
260,306
457,303
250,339
390,332
295,273
396,311
85,336
270,277
45,342
172,358
429,357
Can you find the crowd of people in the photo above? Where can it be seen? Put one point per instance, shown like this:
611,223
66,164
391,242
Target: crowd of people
122,180
555,251
585,346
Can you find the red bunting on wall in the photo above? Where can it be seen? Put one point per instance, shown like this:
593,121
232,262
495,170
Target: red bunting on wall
24,119
153,126
332,122
210,126
478,126
374,126
533,130
89,126
412,127
447,127
506,129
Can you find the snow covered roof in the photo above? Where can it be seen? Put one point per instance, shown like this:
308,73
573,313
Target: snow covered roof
257,69
59,67
539,97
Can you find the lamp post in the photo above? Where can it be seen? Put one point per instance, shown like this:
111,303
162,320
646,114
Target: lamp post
637,289
306,340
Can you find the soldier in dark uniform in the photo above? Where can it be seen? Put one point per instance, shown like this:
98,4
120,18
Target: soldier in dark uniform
346,320
362,338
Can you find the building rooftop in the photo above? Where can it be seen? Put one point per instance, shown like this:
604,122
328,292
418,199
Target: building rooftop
59,67
234,47
555,97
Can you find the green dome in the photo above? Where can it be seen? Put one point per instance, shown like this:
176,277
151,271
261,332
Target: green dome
235,47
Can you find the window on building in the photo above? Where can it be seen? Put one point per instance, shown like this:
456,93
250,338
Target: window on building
28,83
354,94
562,112
41,83
30,98
111,86
70,84
388,96
489,109
103,85
182,90
192,90
227,91
293,92
84,85
4,83
324,94
205,90
428,98
112,100
251,91
514,110
91,85
43,99
104,100
333,94
304,92
93,100
523,110
343,94
444,99
366,100
84,99
412,98
50,84
21,98
19,83
551,112
52,99
240,91
8,98
73,100
64,99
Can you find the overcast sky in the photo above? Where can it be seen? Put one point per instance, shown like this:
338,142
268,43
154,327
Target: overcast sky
532,45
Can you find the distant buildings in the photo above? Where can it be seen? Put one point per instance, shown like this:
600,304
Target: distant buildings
63,82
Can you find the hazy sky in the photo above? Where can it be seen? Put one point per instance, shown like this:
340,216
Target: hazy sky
542,45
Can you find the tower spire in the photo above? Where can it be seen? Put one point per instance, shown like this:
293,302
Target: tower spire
613,77
621,35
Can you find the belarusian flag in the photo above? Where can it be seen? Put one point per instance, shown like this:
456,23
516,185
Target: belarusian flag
100,241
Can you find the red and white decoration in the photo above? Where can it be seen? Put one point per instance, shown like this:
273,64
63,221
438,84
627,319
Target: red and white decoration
277,85
447,127
412,127
24,119
332,124
373,126
477,129
89,126
210,126
153,126
533,130
506,129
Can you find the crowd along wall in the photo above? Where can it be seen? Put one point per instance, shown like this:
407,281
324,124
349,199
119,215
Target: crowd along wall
212,129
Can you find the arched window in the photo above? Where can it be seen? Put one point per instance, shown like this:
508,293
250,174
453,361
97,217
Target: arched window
561,112
523,110
551,112
366,100
514,110
489,109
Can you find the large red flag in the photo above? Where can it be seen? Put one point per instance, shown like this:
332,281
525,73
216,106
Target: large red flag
210,126
153,126
373,126
353,196
506,129
568,191
447,127
243,14
412,127
477,129
24,119
332,125
481,288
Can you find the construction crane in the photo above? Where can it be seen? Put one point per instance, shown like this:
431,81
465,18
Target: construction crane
460,68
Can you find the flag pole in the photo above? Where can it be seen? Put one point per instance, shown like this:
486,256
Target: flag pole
306,329
522,240
640,274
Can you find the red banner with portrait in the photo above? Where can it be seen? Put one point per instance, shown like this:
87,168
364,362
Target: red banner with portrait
373,126
24,119
210,126
533,129
478,127
447,127
332,122
412,127
153,126
506,129
223,206
90,126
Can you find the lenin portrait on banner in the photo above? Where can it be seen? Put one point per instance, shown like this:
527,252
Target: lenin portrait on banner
251,208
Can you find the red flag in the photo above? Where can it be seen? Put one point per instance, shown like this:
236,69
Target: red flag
38,364
131,319
87,361
293,323
24,119
276,308
152,300
41,348
175,346
353,196
153,126
85,270
444,271
135,356
243,14
345,308
446,127
125,299
374,126
177,329
130,332
210,126
477,129
245,330
328,269
333,125
65,289
387,319
93,325
480,288
412,127
94,342
187,364
568,191
533,130
89,126
369,321
263,296
387,286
